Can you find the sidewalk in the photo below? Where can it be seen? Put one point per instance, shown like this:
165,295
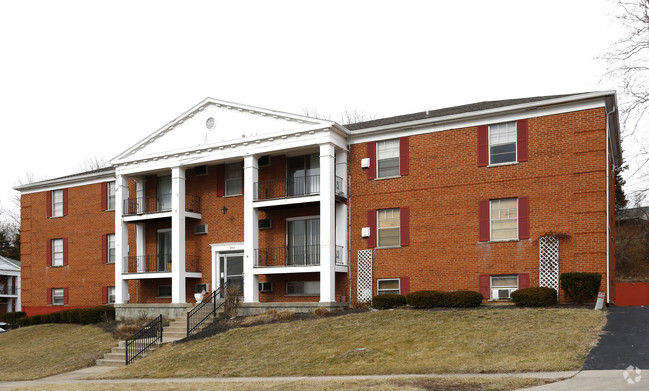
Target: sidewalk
600,380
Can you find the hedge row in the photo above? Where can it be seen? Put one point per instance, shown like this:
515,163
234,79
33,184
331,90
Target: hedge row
78,315
535,297
429,299
581,286
11,318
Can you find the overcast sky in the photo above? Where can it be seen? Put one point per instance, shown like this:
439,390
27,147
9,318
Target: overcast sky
85,79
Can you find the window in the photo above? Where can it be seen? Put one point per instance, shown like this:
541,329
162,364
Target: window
110,190
303,288
387,158
303,242
57,252
111,295
303,175
233,179
58,296
388,227
502,143
503,286
200,288
57,203
387,285
504,219
266,286
110,239
164,290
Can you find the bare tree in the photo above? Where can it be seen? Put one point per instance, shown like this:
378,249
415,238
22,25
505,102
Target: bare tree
92,163
347,116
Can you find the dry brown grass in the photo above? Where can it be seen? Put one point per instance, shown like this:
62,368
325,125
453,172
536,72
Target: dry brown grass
44,350
405,384
395,342
321,311
284,316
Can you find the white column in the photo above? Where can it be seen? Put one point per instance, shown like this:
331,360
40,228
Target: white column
139,193
341,208
250,230
121,240
178,235
215,270
10,285
140,246
19,293
327,224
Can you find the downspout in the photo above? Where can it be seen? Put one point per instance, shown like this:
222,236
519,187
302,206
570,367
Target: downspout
349,230
608,207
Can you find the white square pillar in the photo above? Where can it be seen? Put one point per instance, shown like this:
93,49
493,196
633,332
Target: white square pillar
341,208
121,239
19,293
178,235
250,229
327,224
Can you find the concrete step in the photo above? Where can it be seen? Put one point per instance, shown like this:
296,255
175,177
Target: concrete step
102,362
117,355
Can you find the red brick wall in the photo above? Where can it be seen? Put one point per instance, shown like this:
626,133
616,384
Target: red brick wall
85,274
564,180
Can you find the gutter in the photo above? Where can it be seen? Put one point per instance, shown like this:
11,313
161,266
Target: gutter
608,207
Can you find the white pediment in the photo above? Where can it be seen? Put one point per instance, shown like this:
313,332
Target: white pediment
214,122
9,266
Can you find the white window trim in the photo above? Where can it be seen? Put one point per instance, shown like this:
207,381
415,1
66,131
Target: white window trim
108,196
491,239
108,300
491,285
515,161
53,252
387,279
225,179
108,261
54,214
377,177
378,246
62,296
301,294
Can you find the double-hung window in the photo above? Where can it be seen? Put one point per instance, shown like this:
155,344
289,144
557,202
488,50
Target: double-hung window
57,203
110,186
110,239
303,288
504,219
58,296
388,221
502,143
387,158
503,286
57,252
233,179
111,295
388,285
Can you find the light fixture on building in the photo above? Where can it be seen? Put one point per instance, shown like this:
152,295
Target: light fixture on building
224,209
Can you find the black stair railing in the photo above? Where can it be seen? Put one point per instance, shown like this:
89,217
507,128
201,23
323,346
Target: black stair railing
204,310
141,341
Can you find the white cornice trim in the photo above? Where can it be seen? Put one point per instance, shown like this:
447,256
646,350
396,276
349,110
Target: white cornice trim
72,181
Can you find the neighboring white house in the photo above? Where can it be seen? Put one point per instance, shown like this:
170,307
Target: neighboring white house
9,285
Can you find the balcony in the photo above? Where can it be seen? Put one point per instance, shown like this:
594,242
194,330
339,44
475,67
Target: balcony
293,256
293,187
158,204
5,290
157,263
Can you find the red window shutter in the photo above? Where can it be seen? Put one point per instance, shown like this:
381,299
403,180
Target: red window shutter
104,196
104,294
483,145
484,286
65,295
104,248
404,155
371,222
49,295
521,140
404,215
48,251
220,180
48,203
523,218
523,280
371,153
483,212
65,251
404,285
65,202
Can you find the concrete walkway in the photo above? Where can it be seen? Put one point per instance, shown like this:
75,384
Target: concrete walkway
603,380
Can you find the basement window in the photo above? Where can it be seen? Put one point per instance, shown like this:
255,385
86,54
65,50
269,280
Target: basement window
164,290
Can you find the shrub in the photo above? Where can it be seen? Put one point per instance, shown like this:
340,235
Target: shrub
428,299
386,301
11,318
97,314
321,311
55,317
535,297
580,286
232,301
465,299
283,316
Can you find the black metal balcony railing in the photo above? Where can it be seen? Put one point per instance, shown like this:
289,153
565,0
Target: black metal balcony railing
288,256
5,290
287,187
159,203
157,263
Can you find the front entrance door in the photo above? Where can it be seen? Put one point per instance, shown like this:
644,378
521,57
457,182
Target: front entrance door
232,270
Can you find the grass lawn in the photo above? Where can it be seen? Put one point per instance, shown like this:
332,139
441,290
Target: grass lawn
405,384
387,342
49,349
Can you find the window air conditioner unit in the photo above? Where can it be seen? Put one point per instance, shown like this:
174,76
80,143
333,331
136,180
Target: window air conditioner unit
200,229
501,293
365,163
265,224
266,286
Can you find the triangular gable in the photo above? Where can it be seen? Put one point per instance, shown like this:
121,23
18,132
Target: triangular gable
214,122
10,265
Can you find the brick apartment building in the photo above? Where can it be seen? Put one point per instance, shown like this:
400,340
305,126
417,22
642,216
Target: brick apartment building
491,197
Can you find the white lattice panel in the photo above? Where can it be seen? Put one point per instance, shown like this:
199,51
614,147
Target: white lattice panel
549,262
364,279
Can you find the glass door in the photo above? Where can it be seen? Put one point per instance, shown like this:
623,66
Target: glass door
164,193
232,271
164,251
303,175
303,242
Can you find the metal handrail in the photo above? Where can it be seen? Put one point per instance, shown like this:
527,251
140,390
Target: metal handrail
141,341
158,203
157,263
288,256
202,311
287,187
